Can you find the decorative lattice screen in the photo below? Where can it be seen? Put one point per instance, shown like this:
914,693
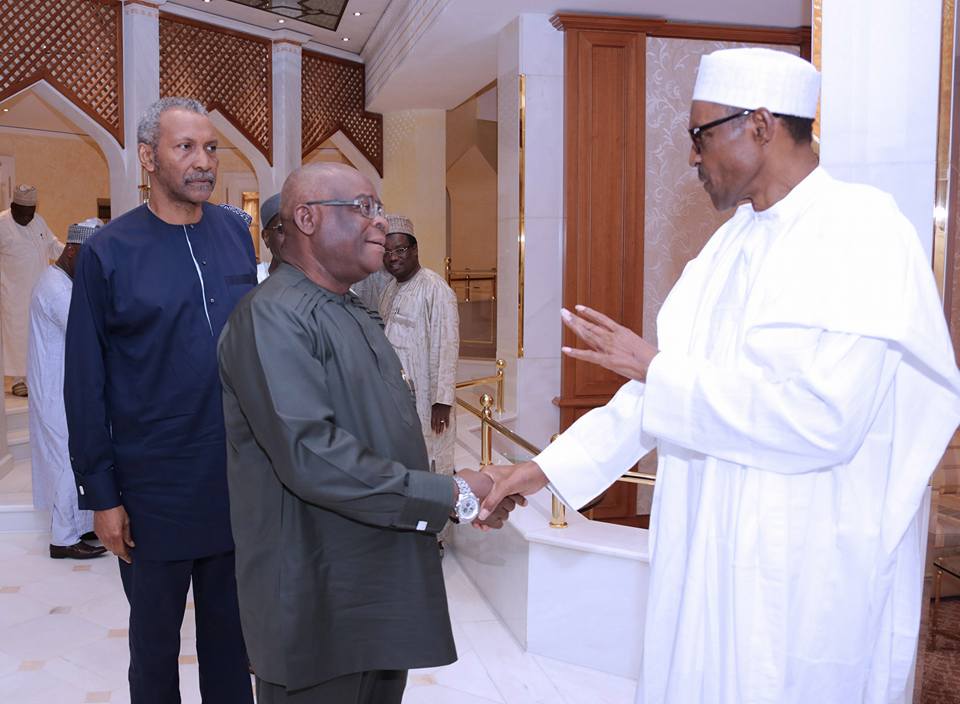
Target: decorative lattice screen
333,99
225,70
74,45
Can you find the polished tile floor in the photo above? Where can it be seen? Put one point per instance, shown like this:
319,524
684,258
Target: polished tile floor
63,625
63,640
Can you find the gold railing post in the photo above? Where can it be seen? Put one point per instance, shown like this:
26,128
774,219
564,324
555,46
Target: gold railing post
558,512
486,432
500,367
446,269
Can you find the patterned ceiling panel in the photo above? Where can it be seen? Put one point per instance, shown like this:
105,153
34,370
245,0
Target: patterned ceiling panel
227,71
74,45
322,13
333,99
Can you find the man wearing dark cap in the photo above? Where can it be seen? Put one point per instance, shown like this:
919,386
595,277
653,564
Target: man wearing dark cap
53,487
27,246
272,235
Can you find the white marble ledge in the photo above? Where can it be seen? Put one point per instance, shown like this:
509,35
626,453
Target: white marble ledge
533,523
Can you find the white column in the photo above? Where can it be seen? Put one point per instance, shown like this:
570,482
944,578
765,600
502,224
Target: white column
287,108
531,46
141,88
881,67
415,177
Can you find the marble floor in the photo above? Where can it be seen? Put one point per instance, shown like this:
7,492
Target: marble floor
63,623
63,640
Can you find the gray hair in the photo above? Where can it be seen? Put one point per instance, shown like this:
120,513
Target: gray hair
148,129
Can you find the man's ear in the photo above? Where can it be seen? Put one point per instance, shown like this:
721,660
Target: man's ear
763,125
307,220
147,157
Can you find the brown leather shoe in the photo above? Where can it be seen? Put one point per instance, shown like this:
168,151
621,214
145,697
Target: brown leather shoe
78,551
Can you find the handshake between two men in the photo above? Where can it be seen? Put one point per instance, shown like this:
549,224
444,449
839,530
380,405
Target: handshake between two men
610,345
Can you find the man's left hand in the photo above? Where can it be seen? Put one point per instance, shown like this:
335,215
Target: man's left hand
439,417
612,345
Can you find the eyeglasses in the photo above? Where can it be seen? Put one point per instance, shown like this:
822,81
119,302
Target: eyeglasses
369,206
697,132
399,251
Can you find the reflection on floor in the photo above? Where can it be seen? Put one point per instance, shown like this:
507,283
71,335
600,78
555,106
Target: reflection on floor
63,640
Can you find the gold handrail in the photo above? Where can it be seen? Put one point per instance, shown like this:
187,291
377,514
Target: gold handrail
488,424
469,276
495,378
486,418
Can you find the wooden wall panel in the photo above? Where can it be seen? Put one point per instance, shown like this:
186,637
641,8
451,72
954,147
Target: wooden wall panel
74,45
604,191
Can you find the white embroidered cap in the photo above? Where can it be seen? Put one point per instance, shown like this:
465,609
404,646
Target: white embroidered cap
759,78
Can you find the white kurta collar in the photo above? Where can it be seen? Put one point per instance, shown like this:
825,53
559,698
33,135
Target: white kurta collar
795,202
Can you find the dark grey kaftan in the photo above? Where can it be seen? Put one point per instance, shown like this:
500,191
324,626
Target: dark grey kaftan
333,509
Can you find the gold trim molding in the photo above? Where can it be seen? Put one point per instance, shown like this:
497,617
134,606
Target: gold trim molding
522,234
941,206
816,51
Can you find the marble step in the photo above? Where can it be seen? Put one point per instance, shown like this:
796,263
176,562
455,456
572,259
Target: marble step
17,417
19,442
22,517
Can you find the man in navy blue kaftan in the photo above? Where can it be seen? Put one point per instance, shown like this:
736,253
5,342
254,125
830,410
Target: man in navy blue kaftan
152,291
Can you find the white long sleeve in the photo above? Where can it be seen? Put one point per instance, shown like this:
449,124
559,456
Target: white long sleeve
811,410
598,448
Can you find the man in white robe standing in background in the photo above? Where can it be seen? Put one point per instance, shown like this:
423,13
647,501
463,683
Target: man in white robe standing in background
26,247
802,394
54,488
419,311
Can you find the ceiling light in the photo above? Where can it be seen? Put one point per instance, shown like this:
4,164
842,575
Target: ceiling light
355,14
346,39
281,21
6,109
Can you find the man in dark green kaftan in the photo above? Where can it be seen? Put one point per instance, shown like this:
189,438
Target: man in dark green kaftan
334,510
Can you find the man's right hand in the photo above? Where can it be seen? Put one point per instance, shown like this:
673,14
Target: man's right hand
511,480
112,526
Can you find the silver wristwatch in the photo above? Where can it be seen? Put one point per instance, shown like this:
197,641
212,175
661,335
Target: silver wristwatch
468,506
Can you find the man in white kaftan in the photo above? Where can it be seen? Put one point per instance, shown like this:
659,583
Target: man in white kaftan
804,390
26,247
419,311
54,488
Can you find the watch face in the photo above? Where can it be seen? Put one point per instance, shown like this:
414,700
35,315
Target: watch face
468,508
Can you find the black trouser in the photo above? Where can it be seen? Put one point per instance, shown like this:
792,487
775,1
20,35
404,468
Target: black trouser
370,687
157,592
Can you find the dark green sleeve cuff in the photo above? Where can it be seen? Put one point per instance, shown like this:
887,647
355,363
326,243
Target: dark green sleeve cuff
429,502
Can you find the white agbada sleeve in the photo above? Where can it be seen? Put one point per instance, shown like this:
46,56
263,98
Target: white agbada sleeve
811,410
593,452
444,343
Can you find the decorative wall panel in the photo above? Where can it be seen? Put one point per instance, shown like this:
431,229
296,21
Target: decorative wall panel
334,96
226,71
74,45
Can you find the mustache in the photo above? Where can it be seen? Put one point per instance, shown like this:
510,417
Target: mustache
199,176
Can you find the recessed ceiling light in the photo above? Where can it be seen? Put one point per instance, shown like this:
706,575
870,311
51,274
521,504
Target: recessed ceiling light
6,109
206,0
355,14
346,39
281,21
